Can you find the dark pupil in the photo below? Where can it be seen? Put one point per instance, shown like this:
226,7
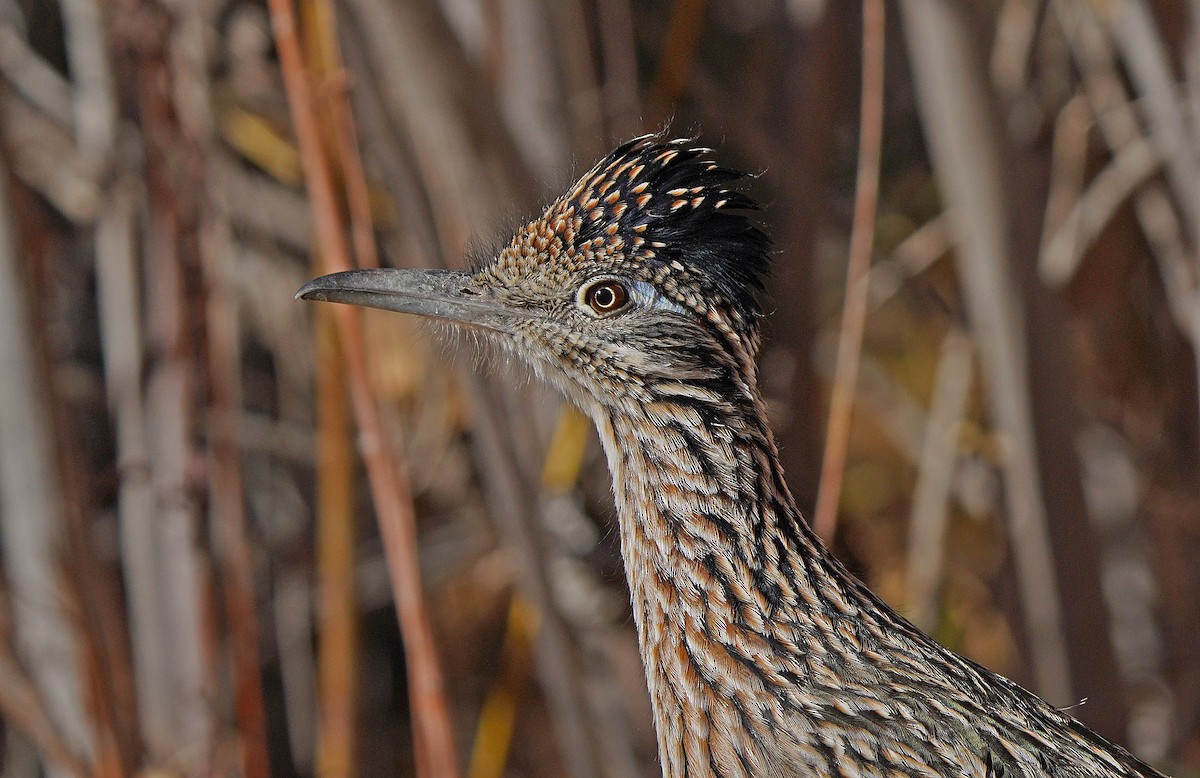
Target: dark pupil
605,297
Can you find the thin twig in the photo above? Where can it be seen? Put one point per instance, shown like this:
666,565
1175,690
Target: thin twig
182,571
935,479
143,654
34,78
89,597
389,487
94,96
1148,64
121,340
22,706
1064,247
1068,168
345,134
337,530
362,227
911,258
45,157
235,555
337,612
30,523
967,159
862,241
1118,123
1016,38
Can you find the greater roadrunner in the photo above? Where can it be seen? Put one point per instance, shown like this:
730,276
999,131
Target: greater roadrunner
636,294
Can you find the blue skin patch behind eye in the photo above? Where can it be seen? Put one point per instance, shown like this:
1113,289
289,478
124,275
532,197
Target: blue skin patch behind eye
645,295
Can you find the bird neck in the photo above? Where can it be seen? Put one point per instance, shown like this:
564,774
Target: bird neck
695,480
724,574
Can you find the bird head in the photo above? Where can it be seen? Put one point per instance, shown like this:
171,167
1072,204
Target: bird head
642,279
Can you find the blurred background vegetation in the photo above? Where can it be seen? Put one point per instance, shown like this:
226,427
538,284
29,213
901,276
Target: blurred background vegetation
194,578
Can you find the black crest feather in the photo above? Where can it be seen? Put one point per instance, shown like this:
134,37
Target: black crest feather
669,205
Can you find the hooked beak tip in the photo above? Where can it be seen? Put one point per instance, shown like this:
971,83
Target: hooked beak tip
305,292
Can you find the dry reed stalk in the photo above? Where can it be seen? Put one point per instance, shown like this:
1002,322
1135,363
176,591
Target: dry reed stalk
862,242
31,524
337,607
967,159
337,529
235,556
433,736
935,478
24,708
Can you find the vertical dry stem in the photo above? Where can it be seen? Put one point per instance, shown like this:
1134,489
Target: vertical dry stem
966,157
389,487
862,241
337,610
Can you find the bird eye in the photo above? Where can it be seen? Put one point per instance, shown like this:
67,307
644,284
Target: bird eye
606,296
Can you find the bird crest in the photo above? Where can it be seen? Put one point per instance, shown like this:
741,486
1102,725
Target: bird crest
661,210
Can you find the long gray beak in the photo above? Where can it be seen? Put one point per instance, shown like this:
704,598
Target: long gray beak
436,294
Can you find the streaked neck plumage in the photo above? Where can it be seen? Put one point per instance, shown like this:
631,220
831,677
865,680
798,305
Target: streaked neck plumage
718,561
763,655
